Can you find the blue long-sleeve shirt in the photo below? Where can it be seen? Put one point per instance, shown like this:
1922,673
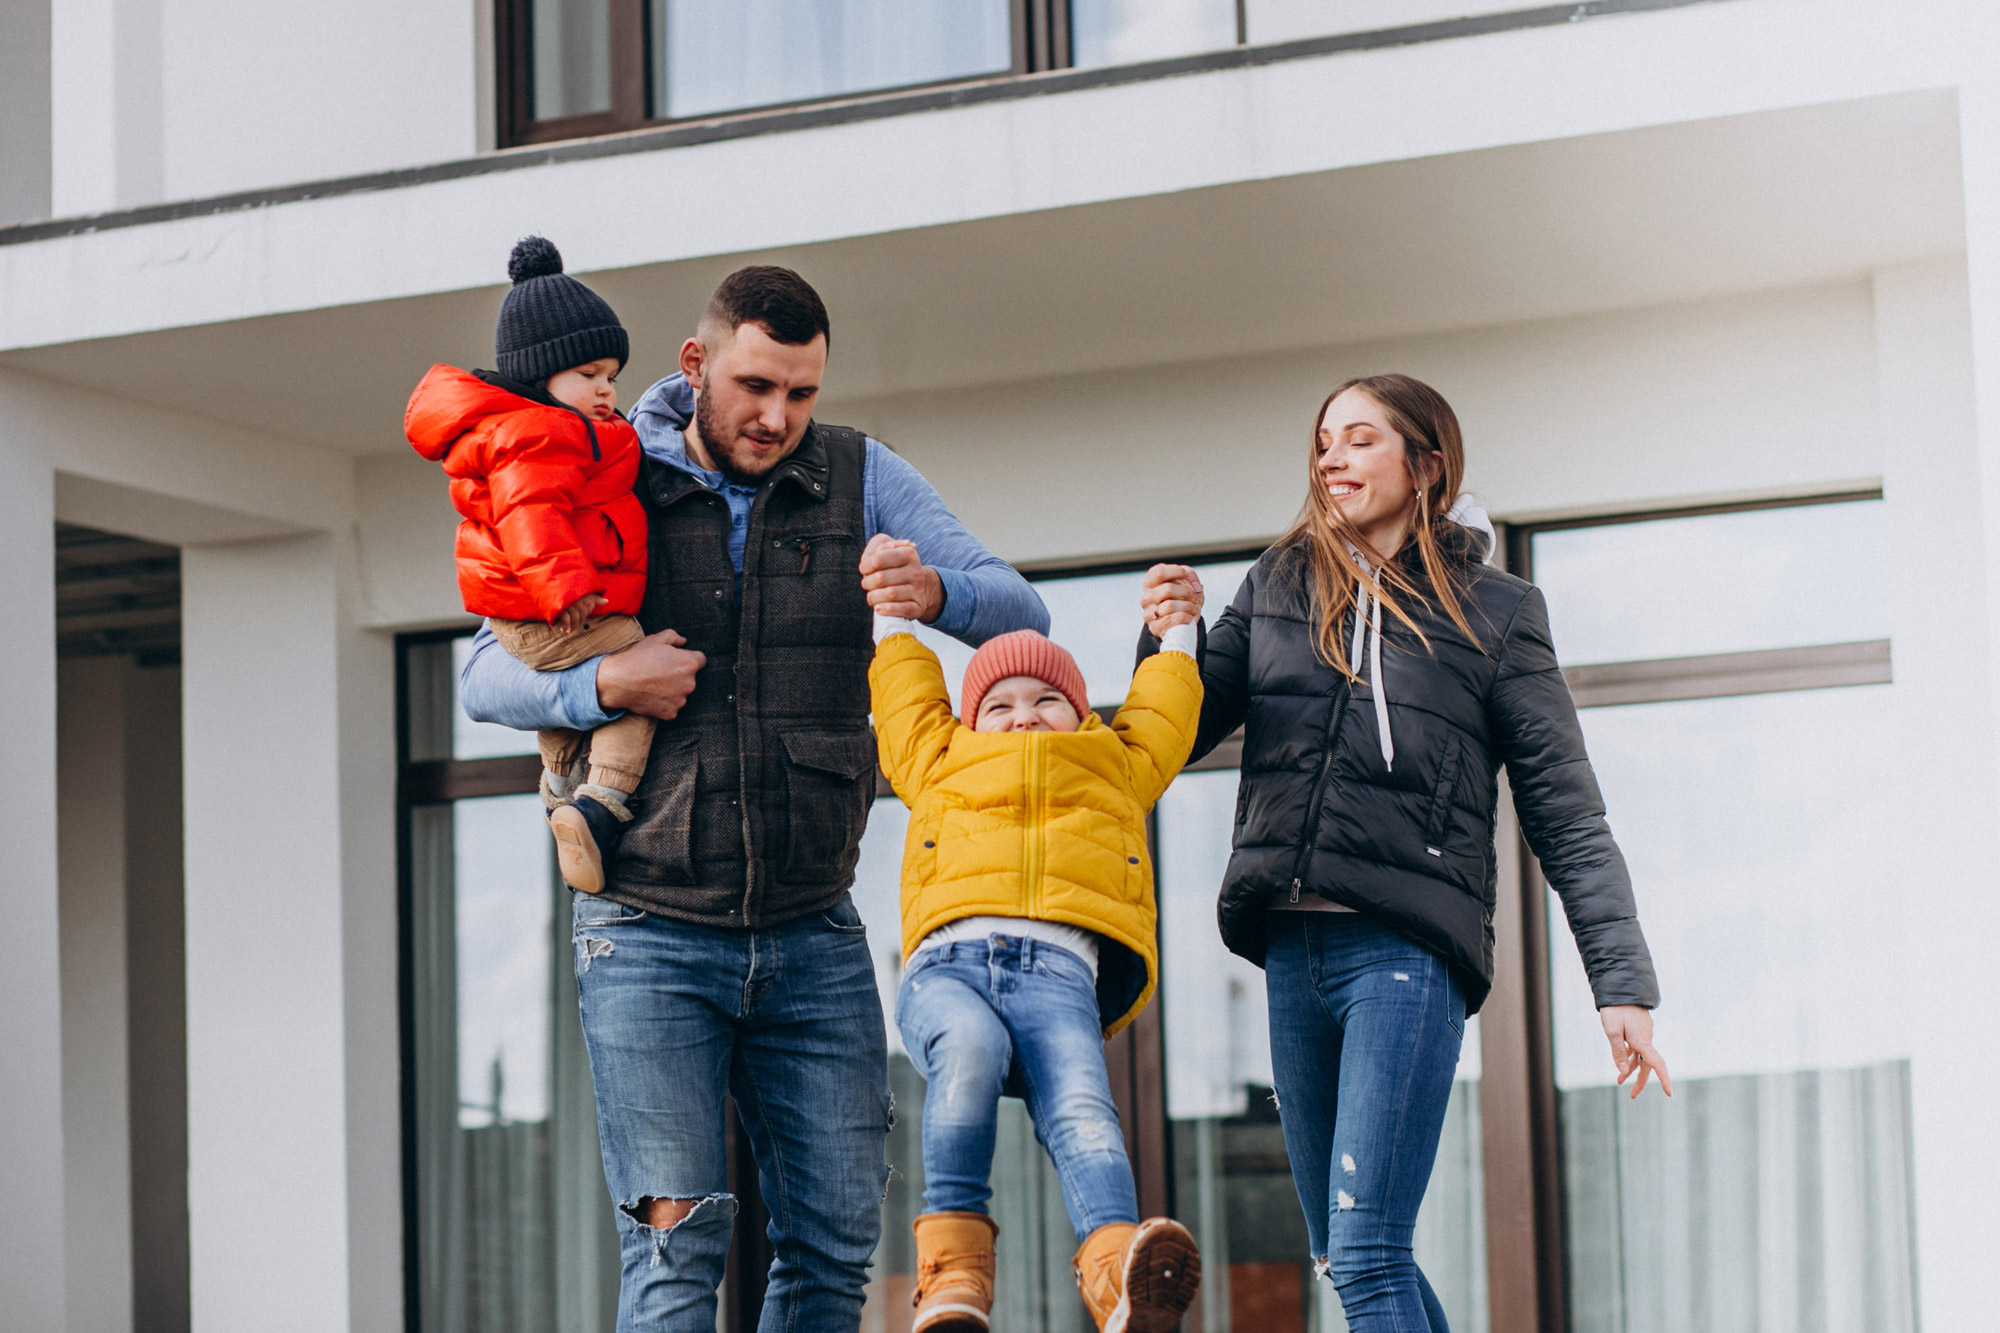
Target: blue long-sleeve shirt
984,595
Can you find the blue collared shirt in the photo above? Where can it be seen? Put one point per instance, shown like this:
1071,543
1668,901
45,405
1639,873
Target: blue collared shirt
983,594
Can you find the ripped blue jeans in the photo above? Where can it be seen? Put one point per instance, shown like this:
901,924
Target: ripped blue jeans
1365,1029
677,1019
1009,1016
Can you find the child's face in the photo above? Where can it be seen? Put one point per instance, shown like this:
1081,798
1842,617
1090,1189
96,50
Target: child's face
591,389
1022,703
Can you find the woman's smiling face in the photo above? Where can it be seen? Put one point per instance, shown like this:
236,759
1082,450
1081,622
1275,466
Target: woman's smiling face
1363,468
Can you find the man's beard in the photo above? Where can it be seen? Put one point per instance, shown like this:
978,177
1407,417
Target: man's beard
748,471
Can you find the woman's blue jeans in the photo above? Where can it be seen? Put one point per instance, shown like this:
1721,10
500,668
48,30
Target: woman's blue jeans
679,1018
1004,1015
1365,1031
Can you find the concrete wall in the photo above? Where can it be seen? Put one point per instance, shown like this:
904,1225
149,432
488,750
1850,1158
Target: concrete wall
158,100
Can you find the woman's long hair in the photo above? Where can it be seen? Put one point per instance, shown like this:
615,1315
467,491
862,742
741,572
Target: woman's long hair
1431,440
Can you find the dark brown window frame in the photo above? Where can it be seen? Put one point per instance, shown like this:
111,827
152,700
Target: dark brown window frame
1039,40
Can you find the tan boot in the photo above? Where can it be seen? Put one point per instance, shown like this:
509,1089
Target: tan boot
1138,1279
954,1272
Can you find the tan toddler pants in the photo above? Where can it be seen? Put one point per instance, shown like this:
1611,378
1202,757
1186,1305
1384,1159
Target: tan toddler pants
618,749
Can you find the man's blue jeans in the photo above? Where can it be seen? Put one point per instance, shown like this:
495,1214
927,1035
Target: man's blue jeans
1004,1015
786,1020
1365,1030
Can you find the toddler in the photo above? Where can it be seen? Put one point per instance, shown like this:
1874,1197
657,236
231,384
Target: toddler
1029,938
553,547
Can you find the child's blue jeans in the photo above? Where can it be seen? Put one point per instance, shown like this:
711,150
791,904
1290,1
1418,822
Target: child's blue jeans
1003,1015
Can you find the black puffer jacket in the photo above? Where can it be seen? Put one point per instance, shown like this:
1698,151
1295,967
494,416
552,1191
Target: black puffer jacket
1318,812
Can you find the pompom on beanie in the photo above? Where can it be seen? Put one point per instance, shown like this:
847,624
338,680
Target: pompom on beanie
1022,653
550,322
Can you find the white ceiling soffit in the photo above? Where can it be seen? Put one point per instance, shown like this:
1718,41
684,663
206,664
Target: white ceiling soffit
1562,227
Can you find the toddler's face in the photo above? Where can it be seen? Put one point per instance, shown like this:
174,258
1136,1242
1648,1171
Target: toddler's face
1022,703
591,389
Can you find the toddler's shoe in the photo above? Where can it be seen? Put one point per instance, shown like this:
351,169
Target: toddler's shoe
587,835
954,1273
1138,1278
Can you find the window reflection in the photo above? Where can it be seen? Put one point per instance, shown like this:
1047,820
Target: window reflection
710,56
1119,32
1717,583
1780,1171
572,57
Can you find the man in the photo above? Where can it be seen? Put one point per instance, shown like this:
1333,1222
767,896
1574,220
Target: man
724,953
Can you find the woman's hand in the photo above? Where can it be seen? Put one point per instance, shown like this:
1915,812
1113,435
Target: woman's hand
1171,595
572,618
1630,1030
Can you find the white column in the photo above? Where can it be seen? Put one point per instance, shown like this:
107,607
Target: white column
31,1119
1938,334
97,1139
266,990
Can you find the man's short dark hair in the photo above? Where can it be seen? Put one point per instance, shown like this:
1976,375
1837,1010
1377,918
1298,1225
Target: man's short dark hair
780,300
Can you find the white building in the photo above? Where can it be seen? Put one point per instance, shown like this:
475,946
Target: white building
1091,264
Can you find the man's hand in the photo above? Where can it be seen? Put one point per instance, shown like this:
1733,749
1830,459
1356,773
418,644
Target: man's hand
1630,1030
654,676
898,583
572,617
1170,595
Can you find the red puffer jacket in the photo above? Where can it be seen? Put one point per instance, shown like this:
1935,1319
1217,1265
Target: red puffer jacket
546,493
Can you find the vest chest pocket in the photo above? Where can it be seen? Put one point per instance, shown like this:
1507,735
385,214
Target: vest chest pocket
829,781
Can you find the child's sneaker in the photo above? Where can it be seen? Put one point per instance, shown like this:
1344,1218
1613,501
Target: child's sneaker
1138,1279
587,834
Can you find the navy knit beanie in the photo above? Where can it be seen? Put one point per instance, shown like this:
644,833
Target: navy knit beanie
550,322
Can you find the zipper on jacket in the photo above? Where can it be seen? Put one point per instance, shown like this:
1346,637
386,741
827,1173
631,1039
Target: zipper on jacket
1319,789
1031,868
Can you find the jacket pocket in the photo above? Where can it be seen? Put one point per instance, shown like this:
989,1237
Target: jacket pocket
829,782
662,831
1440,810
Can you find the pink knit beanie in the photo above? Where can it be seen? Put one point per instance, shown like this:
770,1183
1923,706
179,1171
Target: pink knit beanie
1022,653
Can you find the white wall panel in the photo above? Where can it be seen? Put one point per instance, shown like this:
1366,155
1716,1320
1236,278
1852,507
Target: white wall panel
31,1116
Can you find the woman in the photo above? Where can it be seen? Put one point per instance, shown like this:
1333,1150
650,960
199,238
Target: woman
1383,672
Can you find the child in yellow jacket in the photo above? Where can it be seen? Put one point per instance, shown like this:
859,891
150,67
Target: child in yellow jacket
1029,937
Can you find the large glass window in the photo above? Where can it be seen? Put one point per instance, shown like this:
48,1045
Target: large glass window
511,1225
1774,1189
710,57
1123,32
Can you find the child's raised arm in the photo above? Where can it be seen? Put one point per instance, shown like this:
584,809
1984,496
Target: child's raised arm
913,718
1163,709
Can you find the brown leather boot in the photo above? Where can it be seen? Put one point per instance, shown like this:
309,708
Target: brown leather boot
1138,1279
954,1272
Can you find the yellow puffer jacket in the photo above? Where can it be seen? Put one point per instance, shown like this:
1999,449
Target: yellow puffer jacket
1042,824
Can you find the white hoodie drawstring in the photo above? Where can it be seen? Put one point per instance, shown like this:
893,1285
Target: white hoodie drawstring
1368,625
1465,512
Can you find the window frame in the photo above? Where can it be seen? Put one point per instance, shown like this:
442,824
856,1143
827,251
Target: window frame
1039,38
1527,1278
